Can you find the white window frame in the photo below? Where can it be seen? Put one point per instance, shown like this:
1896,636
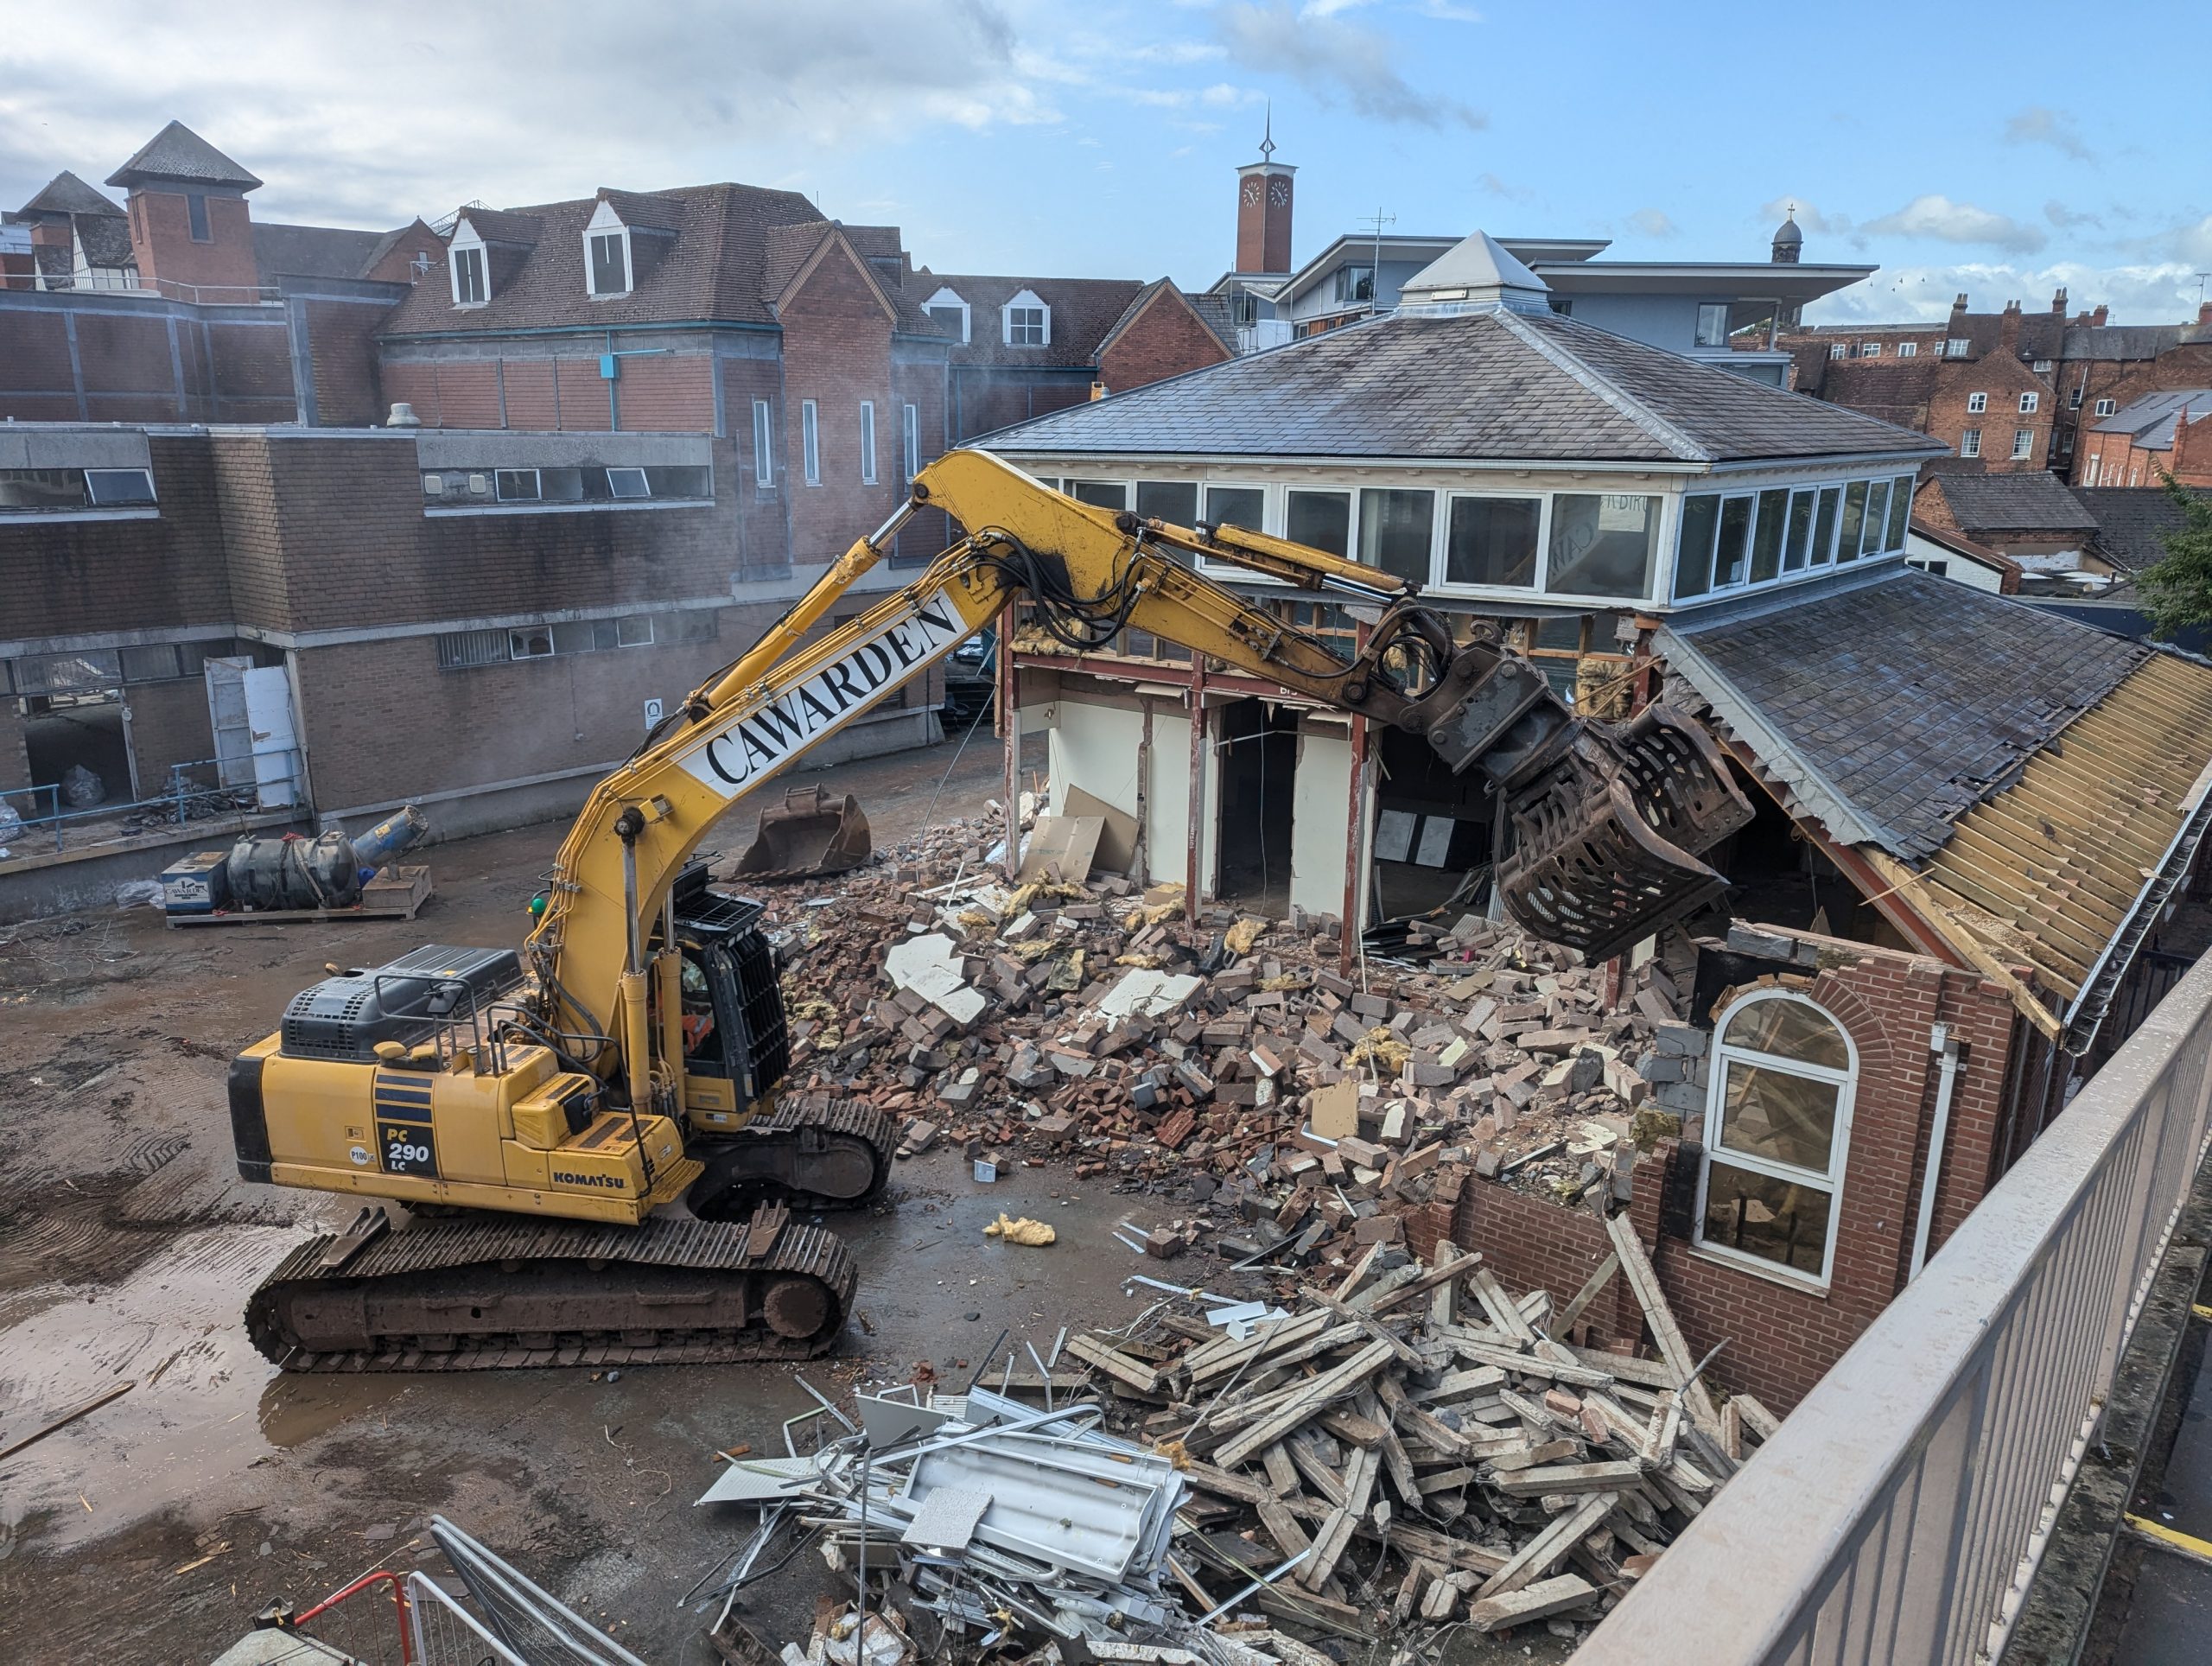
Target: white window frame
949,296
1840,350
910,439
522,633
1028,301
1970,443
2028,402
1271,519
1870,349
1956,347
1845,1081
1976,403
868,443
536,487
621,234
2024,443
1705,309
617,494
764,445
809,440
476,257
2107,407
1443,542
1069,485
1908,349
2041,366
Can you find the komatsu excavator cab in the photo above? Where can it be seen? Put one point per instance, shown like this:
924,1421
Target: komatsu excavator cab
735,1043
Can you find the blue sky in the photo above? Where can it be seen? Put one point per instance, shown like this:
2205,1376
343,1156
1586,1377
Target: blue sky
1998,153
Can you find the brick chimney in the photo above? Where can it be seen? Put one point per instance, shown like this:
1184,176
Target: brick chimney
2204,312
2058,301
2097,318
2008,327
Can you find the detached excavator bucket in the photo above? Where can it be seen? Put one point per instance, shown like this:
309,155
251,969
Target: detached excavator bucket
1606,841
813,831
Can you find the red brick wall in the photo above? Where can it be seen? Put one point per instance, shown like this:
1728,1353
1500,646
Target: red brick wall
988,396
763,538
161,236
1166,339
36,385
667,394
342,354
249,371
2004,379
1781,1335
837,352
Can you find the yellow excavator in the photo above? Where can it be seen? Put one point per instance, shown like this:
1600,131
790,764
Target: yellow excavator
541,1113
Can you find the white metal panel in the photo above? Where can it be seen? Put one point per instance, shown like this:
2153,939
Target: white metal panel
1320,822
226,715
275,745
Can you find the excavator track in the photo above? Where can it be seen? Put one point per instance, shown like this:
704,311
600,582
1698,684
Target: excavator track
501,1294
775,1157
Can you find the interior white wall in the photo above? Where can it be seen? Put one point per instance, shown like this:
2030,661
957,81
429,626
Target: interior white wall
1318,824
1096,747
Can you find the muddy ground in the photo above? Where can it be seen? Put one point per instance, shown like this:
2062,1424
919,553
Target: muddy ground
153,1529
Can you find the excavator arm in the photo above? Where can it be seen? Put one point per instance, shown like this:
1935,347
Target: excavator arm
1607,819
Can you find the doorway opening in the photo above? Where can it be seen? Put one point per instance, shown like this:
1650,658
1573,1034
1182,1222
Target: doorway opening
66,732
1433,829
1258,754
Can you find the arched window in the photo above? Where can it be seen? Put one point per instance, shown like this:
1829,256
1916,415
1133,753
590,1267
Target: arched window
1777,1127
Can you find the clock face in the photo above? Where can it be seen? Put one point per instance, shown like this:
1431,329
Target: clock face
1279,191
1252,194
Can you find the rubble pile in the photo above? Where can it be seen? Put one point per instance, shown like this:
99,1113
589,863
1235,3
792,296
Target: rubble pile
1088,1023
1401,1449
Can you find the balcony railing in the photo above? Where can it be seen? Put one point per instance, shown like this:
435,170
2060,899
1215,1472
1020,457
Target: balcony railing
1901,1512
204,295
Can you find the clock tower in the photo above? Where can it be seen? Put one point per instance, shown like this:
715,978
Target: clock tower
1263,200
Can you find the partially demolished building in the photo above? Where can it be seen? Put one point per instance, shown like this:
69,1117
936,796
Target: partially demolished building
1974,819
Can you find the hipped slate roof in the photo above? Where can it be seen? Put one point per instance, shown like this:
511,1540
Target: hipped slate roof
2149,420
1482,384
1891,708
178,153
314,251
65,193
2036,501
1084,310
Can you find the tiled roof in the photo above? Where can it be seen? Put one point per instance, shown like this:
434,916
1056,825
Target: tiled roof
2131,520
106,239
713,267
2036,501
1144,296
2113,342
314,251
2149,420
1218,316
1478,384
1084,310
178,153
1895,390
1890,708
65,193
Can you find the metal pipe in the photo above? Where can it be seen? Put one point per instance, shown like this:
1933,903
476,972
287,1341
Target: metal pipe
1940,1041
668,990
637,1047
1197,802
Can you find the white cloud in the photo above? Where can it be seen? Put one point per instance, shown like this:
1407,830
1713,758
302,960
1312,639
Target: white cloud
364,126
2154,293
1448,11
2037,125
2066,218
1652,222
1938,217
1335,60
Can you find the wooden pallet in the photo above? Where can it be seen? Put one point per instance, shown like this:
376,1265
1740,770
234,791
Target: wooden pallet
394,893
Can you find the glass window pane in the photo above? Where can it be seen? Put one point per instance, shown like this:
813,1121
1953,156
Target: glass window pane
1694,565
1788,1029
1393,530
1107,494
1321,520
1877,510
1900,514
1766,541
1800,532
1824,526
1235,505
1854,519
1775,1220
1781,1117
1602,543
517,485
565,485
118,486
1175,502
1729,558
1492,541
679,480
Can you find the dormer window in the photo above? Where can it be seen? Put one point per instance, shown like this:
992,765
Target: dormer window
949,310
1028,322
607,265
471,267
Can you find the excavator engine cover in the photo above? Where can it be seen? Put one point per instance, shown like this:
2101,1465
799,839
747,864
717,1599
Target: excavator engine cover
1606,840
811,832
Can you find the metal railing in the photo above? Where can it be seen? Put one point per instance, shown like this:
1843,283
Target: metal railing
208,789
203,295
1902,1510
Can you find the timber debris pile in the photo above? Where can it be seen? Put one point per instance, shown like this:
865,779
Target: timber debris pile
1087,1021
1401,1449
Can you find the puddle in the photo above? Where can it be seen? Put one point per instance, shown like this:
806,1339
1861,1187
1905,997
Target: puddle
195,1416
